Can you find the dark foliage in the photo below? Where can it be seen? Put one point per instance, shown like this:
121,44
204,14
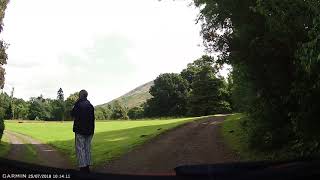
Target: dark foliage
170,93
136,113
273,47
3,61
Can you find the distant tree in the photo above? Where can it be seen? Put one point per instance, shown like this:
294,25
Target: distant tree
119,111
228,90
136,113
20,109
69,103
60,95
40,98
40,108
208,94
57,110
99,115
59,106
8,113
103,113
12,104
193,68
35,109
170,93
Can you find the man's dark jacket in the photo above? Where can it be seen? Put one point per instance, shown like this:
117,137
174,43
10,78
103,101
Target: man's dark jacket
83,114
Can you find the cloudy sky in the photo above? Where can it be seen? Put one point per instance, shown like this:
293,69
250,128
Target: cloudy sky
105,46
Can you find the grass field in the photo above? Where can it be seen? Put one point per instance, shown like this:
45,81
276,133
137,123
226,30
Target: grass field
111,139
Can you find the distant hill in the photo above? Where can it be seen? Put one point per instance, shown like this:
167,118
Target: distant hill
134,98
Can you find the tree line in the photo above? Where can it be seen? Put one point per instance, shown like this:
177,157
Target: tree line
40,108
197,91
36,108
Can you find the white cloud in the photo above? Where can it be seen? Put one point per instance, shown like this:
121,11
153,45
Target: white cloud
105,46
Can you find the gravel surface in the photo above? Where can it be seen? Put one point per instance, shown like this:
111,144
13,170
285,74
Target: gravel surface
197,142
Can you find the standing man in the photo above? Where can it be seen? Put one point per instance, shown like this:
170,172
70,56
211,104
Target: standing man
83,127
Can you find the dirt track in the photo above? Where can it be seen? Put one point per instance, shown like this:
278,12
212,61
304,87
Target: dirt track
197,142
46,155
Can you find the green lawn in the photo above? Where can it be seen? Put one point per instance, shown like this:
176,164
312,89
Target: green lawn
111,139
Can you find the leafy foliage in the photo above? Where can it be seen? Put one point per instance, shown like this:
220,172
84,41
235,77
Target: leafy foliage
136,112
119,111
273,47
69,103
103,113
8,113
170,92
208,91
3,60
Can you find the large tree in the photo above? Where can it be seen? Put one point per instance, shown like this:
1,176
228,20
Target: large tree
208,91
170,93
208,94
193,68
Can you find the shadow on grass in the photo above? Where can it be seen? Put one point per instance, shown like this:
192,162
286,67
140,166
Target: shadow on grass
107,146
18,152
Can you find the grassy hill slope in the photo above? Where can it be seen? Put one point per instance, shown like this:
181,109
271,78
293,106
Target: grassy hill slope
134,98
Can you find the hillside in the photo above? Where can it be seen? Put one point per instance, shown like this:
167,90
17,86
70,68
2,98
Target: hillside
133,98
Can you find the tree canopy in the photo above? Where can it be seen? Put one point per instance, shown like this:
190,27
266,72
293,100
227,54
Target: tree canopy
170,92
3,57
273,47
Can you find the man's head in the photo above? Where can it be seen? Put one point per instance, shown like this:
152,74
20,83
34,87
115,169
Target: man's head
83,94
